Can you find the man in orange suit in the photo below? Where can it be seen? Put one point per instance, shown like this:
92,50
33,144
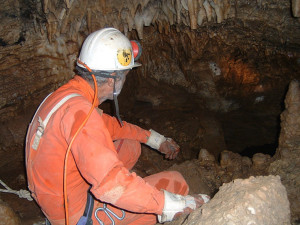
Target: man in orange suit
99,187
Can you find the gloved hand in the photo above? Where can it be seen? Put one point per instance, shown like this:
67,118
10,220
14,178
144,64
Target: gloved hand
170,148
164,145
177,205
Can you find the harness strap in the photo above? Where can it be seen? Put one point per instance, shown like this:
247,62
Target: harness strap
42,124
86,219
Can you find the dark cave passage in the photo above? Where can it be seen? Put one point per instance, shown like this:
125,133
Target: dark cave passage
252,127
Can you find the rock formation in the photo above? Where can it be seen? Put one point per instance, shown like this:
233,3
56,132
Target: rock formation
257,200
287,154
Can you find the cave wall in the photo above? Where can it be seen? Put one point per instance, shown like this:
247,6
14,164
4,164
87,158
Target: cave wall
287,158
228,53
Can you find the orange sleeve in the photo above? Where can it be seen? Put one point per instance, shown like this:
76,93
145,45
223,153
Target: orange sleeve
96,158
129,191
127,131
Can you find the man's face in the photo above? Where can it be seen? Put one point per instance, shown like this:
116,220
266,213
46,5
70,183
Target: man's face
119,82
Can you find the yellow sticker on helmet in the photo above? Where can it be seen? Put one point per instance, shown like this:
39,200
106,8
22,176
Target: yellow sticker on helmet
124,56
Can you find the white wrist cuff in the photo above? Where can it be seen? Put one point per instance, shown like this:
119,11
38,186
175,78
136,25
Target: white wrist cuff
173,204
155,140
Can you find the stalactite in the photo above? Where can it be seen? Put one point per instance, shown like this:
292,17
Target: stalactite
185,18
166,10
150,10
208,10
138,15
45,6
193,9
68,3
126,17
130,22
296,8
178,8
125,29
159,26
89,20
116,22
144,3
64,23
145,16
123,15
166,27
218,7
171,6
51,29
226,8
163,23
103,20
65,20
201,13
138,21
185,4
62,14
103,5
133,7
74,34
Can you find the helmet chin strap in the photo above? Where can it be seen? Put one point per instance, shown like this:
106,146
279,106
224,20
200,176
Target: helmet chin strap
117,104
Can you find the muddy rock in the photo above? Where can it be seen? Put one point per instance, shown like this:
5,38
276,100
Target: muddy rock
232,163
257,200
201,178
205,157
261,163
7,215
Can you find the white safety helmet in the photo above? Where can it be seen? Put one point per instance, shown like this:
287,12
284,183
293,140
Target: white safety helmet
107,50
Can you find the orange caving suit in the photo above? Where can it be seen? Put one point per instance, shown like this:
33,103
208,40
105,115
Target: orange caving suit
98,159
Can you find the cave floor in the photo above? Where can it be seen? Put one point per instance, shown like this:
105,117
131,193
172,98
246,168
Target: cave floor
13,174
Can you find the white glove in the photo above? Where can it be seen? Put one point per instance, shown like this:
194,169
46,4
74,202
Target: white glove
155,140
177,203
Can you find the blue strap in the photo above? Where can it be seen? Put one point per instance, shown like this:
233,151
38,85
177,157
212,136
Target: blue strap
86,219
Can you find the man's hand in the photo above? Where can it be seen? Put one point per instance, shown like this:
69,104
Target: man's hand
164,145
177,205
169,148
199,200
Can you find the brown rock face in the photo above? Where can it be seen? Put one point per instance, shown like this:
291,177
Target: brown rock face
288,152
257,200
